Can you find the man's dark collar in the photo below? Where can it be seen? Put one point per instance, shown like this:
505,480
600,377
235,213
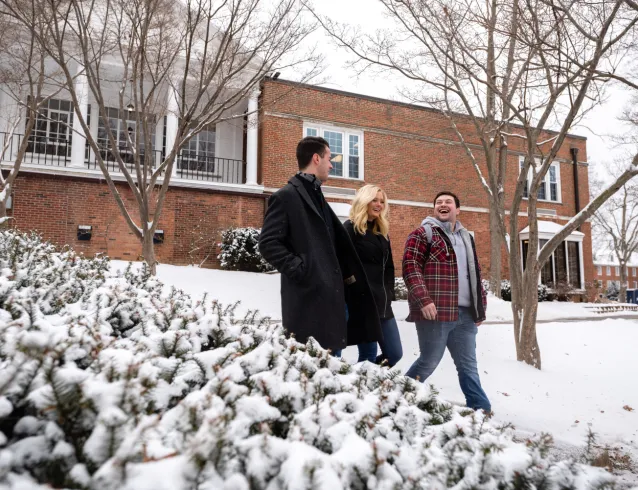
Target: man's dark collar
312,178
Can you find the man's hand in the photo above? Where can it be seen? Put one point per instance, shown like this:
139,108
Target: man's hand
478,324
429,311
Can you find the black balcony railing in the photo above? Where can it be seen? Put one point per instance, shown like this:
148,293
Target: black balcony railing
111,162
40,150
209,168
57,152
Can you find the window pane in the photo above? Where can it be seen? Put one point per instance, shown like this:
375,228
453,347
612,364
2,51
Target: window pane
526,188
335,140
574,264
560,263
547,271
311,132
552,173
353,158
525,248
542,193
553,189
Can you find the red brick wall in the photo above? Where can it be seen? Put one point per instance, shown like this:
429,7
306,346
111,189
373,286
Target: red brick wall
604,277
411,153
54,206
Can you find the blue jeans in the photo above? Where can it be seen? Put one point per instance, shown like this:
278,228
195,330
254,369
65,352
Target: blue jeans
460,339
390,345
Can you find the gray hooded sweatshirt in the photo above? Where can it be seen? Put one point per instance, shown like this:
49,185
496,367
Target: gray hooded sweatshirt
459,238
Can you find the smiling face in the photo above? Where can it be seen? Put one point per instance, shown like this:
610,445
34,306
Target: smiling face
445,209
376,206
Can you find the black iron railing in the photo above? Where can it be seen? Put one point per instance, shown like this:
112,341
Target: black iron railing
41,150
153,158
209,168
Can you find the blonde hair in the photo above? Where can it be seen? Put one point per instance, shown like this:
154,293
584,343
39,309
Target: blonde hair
359,211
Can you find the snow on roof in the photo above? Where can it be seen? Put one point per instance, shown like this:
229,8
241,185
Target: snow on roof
550,227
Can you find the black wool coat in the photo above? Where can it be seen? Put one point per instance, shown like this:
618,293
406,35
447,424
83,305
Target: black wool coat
375,253
317,280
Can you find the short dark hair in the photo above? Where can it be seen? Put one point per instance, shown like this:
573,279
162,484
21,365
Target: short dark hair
307,147
448,193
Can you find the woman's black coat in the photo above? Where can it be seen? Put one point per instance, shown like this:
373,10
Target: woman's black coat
375,254
296,241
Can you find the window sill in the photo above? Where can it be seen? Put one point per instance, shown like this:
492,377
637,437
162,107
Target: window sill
344,179
545,200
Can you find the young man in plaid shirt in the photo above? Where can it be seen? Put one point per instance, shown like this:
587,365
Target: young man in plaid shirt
446,297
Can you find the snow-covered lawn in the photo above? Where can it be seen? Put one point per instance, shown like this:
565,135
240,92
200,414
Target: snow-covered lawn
590,368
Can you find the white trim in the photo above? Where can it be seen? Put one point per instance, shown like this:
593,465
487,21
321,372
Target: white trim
346,131
97,175
252,138
582,265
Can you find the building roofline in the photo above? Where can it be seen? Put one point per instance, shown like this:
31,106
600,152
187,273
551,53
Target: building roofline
386,101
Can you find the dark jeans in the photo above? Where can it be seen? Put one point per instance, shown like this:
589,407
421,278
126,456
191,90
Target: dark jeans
391,348
460,339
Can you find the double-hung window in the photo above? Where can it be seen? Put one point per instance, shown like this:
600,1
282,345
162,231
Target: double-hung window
599,270
346,148
549,190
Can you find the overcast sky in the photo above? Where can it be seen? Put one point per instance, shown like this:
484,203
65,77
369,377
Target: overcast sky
599,126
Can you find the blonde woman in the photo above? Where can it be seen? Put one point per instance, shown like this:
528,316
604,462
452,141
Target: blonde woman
368,228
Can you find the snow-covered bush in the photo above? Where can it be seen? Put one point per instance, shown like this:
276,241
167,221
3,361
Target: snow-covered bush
400,289
506,290
240,251
613,290
125,385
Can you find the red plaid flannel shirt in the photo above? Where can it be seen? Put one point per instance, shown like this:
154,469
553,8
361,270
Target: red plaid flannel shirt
433,277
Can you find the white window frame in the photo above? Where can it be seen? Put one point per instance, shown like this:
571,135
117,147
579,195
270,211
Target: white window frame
192,155
320,128
608,270
548,192
634,271
52,140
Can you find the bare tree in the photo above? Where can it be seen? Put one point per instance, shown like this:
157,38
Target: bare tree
618,221
141,60
524,70
24,73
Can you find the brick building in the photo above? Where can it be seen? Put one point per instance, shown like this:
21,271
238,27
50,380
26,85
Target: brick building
606,272
409,150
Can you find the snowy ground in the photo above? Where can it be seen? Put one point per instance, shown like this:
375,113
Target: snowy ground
590,368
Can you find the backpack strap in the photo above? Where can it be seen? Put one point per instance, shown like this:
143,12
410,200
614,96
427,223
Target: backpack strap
428,232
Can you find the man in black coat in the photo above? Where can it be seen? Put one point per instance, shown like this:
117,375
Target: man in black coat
320,270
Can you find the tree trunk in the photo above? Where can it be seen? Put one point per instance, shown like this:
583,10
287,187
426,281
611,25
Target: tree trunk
622,294
495,253
525,308
4,220
148,252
